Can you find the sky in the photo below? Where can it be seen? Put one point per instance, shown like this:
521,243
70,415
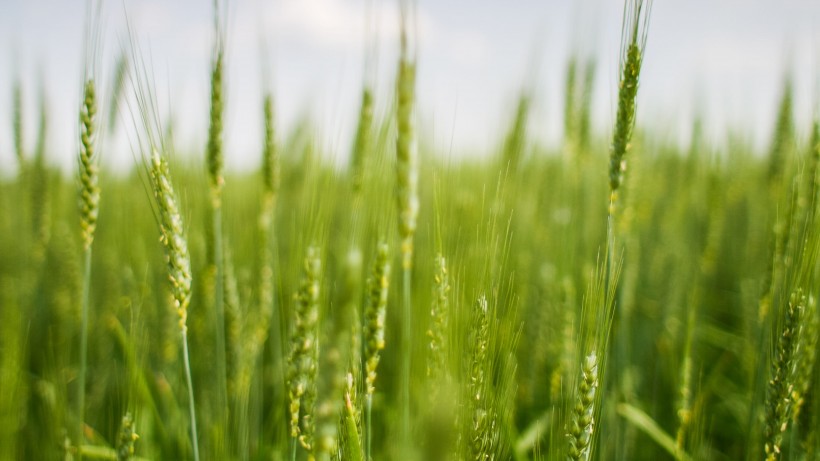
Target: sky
725,60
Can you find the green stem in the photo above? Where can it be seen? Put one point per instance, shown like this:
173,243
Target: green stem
242,405
406,353
610,250
83,345
279,345
610,245
191,405
369,426
219,306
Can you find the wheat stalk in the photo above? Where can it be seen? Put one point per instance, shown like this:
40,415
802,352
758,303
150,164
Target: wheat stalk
634,31
216,180
89,209
406,156
178,261
408,208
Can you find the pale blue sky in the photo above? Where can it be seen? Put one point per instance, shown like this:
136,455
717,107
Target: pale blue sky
474,56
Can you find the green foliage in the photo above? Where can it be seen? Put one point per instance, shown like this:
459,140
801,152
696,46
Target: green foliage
695,231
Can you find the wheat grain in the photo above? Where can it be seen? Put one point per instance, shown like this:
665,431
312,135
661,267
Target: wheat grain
303,362
582,425
375,313
215,157
806,356
636,21
374,317
361,144
89,182
126,439
439,314
172,237
483,436
779,398
783,137
271,170
406,156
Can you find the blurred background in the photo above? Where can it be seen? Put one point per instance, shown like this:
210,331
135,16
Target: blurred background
723,60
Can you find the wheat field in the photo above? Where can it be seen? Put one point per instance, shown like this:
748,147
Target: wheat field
621,297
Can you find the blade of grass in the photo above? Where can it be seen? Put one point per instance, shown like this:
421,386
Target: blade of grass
648,426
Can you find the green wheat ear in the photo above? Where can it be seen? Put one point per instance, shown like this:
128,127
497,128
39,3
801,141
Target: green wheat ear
626,116
585,110
271,170
361,144
571,102
783,137
780,393
172,237
375,315
89,182
483,435
806,357
17,126
215,157
439,313
406,156
126,439
582,425
303,362
636,22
